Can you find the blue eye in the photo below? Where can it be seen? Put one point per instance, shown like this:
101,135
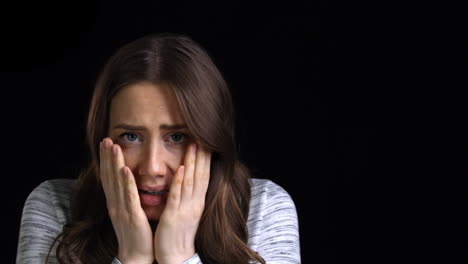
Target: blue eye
178,137
130,136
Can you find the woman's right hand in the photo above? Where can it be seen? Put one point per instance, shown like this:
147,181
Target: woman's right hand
130,222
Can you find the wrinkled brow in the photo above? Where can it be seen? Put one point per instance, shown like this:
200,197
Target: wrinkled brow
143,128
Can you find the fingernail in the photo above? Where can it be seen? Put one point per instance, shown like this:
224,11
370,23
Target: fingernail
114,149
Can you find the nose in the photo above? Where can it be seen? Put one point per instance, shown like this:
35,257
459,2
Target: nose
154,161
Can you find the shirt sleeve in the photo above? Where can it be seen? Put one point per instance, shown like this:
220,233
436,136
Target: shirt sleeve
195,259
279,234
40,225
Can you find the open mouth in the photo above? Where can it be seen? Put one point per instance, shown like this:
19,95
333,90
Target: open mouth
154,192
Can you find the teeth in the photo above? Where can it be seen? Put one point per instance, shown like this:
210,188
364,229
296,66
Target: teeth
154,192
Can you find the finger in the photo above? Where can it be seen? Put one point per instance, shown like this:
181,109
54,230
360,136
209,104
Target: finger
131,190
199,170
173,200
187,184
202,175
105,168
115,182
101,164
118,160
125,188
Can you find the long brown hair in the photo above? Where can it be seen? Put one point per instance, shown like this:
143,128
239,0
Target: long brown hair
207,107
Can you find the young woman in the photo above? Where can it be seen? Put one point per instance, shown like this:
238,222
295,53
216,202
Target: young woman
164,183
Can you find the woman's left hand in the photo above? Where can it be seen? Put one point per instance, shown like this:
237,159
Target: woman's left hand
174,240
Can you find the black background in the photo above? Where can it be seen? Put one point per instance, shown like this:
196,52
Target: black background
303,76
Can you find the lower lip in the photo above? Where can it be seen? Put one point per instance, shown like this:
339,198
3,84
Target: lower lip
152,200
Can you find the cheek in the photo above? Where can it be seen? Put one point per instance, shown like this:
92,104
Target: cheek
173,156
130,157
177,156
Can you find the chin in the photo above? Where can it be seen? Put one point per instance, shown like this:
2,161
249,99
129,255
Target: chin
152,217
153,213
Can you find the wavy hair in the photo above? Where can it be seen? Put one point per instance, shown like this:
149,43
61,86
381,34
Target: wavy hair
207,107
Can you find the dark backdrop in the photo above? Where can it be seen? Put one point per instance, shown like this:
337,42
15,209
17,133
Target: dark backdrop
302,79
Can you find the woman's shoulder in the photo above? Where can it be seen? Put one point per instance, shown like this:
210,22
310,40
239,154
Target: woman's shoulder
266,185
54,194
272,214
61,188
267,191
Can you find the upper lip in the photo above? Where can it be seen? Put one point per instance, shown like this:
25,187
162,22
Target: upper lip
153,188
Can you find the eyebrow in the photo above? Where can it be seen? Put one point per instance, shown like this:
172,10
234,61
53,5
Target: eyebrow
142,128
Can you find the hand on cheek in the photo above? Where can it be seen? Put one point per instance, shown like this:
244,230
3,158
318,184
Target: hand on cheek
174,240
123,203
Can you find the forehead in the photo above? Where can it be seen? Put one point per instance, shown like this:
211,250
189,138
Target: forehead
145,104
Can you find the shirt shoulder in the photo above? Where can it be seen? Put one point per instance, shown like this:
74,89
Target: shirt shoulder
267,191
45,212
59,189
273,223
54,194
269,202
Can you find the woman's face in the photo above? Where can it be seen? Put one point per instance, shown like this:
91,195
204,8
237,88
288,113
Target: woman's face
145,121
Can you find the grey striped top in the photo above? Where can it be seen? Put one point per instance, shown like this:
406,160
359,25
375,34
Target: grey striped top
272,223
